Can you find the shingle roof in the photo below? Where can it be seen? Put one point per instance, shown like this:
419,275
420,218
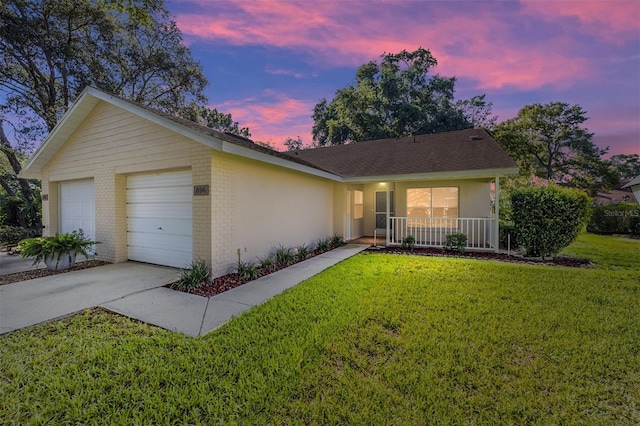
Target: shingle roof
471,149
461,151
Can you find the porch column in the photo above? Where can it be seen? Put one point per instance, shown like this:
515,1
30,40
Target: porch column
388,214
496,230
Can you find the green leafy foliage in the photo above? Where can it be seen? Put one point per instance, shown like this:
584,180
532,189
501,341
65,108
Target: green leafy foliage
12,235
56,246
195,276
455,243
508,236
409,242
323,245
621,218
375,340
302,252
336,241
395,97
267,264
247,271
547,219
284,256
549,141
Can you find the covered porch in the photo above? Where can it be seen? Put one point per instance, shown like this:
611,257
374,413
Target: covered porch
386,213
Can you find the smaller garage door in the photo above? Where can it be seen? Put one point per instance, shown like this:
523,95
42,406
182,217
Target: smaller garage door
77,207
159,224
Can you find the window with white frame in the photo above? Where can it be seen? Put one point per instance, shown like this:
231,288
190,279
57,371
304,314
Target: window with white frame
431,203
358,204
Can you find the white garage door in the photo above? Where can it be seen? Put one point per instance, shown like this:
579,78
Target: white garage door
159,218
77,207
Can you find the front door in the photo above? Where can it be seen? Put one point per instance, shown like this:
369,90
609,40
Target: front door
381,210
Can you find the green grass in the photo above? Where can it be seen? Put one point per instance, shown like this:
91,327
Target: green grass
377,339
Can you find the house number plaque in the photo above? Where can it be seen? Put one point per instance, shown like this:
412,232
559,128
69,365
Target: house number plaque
200,189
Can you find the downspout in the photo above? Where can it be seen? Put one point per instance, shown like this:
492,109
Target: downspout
496,230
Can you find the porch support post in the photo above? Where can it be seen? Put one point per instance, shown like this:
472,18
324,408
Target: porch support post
388,233
496,230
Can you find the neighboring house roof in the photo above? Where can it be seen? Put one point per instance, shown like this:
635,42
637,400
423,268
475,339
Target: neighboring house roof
633,182
464,153
613,197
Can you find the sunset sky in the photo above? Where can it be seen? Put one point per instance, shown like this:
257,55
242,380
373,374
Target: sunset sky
270,62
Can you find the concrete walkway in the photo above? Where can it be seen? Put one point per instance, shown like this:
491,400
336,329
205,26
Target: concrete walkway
136,290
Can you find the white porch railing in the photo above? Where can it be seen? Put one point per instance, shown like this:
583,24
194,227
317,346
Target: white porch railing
432,232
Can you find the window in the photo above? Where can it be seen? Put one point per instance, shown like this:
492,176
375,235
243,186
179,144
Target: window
437,203
358,204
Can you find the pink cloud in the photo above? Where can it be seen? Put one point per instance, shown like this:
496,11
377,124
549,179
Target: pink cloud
472,42
272,117
614,21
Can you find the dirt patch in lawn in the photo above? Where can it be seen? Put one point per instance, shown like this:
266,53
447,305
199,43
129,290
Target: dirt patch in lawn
503,257
39,273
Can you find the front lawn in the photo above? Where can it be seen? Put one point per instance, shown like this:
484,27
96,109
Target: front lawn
377,339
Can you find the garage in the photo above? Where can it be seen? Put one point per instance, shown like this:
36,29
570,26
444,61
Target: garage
77,207
159,218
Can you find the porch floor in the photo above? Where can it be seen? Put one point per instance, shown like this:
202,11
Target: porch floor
379,241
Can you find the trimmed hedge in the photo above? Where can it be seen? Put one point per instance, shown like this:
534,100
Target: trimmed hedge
547,219
621,218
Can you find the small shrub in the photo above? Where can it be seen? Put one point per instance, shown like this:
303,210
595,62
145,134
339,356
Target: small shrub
10,236
302,252
621,218
267,264
284,256
547,219
409,242
336,241
195,276
247,271
456,243
56,246
322,245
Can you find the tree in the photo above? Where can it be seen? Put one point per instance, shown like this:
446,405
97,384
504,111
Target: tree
627,166
549,142
293,144
394,98
212,118
52,49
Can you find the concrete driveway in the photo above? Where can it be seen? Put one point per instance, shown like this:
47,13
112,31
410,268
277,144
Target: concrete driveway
31,302
136,290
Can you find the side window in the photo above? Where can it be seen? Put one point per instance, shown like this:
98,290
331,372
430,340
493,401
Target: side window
358,204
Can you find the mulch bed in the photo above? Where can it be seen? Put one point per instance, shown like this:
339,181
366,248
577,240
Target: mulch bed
219,285
503,257
39,273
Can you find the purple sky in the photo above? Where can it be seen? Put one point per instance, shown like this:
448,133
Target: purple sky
270,62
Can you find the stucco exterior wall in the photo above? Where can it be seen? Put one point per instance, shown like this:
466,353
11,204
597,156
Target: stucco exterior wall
257,206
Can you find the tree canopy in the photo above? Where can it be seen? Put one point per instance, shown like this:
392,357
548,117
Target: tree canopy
550,142
395,97
52,49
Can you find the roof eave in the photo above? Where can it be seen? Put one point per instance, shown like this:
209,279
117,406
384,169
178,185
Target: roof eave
459,174
232,148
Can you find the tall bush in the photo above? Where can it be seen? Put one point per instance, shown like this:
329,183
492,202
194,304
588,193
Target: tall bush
621,218
547,219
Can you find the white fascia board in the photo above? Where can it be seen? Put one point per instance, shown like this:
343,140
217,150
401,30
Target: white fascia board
231,148
462,174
